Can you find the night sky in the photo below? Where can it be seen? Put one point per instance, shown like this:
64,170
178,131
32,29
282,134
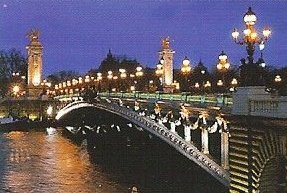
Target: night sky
77,35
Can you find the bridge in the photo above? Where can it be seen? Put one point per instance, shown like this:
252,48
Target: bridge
159,130
251,149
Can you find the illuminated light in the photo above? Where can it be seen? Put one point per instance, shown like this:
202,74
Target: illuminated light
249,17
139,68
115,77
132,88
72,106
36,80
186,69
222,56
50,111
110,72
186,61
139,73
207,84
151,81
50,130
266,32
64,84
219,66
219,83
253,35
114,89
159,66
49,84
202,71
261,46
16,89
278,78
122,75
226,65
235,34
262,64
196,85
247,32
132,75
99,76
87,78
68,83
121,70
234,81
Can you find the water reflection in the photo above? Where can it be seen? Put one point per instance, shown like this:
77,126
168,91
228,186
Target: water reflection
38,162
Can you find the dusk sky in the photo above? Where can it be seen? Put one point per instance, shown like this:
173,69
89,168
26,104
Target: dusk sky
77,35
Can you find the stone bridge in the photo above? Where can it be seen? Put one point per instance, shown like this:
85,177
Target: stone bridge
187,149
255,149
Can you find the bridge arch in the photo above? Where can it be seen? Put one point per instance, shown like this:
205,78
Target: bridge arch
174,140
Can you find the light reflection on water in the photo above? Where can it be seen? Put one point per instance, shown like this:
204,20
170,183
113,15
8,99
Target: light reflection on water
38,162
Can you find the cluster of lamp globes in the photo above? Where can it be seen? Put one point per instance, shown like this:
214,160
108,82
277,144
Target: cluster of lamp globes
110,76
250,34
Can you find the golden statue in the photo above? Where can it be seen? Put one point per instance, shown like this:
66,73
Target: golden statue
165,43
33,35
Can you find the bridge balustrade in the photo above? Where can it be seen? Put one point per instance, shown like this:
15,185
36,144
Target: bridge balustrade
187,149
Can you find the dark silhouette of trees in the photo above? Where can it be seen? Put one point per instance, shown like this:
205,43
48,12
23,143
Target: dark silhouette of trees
61,76
11,61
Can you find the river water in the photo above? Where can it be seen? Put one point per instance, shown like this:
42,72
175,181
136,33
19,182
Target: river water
41,161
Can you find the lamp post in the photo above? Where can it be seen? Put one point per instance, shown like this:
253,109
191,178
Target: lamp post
99,79
185,69
234,83
223,66
123,75
139,74
159,72
250,39
110,77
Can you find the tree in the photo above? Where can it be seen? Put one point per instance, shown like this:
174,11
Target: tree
61,76
11,61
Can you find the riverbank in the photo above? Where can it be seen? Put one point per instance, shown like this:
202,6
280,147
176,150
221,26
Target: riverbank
27,125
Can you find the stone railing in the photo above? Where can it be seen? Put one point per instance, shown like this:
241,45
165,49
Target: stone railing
273,107
173,139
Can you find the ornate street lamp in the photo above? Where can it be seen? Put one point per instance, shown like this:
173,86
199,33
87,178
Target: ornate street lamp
186,69
110,77
250,38
123,75
223,66
159,70
99,79
139,73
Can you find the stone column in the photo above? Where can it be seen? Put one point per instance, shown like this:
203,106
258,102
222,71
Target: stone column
187,135
172,127
204,141
224,150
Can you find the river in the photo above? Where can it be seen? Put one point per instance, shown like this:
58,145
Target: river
41,161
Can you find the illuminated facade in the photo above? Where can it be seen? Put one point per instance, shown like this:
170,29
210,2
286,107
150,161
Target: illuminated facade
34,49
166,55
